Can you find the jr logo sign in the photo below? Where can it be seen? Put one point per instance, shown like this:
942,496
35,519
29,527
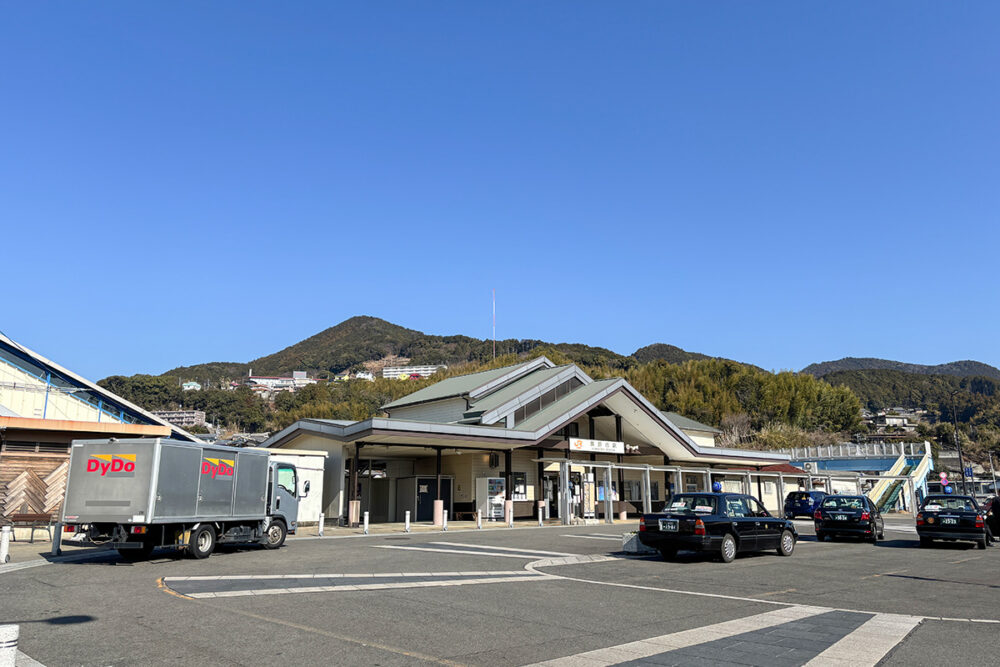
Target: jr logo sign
217,467
105,464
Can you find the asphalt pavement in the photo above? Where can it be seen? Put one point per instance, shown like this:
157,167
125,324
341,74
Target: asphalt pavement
555,595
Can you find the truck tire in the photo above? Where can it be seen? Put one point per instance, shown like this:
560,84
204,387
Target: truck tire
202,541
275,535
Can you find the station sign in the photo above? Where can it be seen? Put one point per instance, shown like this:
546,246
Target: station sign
596,446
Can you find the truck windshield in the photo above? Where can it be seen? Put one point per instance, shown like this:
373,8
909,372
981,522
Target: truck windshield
286,479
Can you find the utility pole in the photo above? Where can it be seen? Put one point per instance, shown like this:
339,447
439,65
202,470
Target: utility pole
993,472
958,445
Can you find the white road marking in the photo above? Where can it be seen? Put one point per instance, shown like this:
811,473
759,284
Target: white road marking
869,643
676,640
362,575
595,537
493,548
456,551
520,576
22,660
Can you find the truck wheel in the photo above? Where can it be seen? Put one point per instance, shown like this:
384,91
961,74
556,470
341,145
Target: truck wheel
727,552
202,542
787,544
275,534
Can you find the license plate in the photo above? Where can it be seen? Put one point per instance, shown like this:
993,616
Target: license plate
949,522
840,517
668,525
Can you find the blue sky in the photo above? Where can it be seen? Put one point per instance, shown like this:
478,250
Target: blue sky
778,183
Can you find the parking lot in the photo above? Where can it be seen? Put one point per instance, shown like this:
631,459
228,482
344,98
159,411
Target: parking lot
519,596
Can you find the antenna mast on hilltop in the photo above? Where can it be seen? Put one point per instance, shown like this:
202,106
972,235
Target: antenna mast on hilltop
494,323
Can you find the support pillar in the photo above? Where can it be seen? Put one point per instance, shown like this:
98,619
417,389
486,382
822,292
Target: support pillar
564,498
647,505
609,506
620,437
781,494
354,503
540,485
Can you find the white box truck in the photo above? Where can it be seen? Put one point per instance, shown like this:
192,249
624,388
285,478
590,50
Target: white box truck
139,494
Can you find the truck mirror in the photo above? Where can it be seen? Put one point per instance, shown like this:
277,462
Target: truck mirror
305,488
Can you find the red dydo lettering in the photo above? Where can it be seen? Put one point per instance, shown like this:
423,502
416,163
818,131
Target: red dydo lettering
93,465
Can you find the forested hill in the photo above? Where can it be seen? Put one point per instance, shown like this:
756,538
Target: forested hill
960,368
360,339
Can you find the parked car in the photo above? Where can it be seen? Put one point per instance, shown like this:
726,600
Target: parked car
855,516
802,503
721,523
951,518
991,510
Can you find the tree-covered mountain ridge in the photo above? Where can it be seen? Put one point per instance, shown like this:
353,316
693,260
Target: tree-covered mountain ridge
964,368
363,339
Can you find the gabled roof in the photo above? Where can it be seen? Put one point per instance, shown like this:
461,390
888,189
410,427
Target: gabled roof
689,424
566,404
472,385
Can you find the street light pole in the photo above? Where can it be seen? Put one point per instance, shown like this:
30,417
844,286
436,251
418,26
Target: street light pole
958,445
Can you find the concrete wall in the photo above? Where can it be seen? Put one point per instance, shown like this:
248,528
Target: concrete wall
702,439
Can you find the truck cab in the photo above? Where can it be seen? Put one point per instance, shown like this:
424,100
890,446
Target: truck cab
283,495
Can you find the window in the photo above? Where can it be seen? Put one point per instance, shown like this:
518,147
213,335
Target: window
692,503
736,507
546,399
286,479
756,509
520,483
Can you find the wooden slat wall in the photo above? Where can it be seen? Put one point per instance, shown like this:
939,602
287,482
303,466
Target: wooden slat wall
35,478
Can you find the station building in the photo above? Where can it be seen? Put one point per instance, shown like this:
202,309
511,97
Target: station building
476,441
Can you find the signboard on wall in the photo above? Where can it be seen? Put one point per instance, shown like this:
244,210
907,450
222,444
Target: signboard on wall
596,446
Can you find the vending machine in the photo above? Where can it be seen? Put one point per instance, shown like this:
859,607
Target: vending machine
490,497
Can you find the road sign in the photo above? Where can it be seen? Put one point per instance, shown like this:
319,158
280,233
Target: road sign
968,472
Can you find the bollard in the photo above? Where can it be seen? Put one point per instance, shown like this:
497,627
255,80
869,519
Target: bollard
407,525
8,644
4,545
322,522
444,520
366,523
479,519
540,518
57,540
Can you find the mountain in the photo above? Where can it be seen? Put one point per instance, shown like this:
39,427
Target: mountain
361,339
960,368
663,352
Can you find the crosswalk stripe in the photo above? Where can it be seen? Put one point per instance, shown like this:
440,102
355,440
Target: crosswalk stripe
869,643
655,645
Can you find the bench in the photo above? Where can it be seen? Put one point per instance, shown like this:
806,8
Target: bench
34,522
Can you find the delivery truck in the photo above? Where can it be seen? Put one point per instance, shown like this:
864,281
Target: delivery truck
138,494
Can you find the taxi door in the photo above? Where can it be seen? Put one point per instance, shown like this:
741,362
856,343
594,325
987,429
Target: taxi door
768,527
743,522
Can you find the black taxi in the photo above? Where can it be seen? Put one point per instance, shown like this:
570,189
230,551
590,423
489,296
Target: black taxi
947,517
720,523
854,516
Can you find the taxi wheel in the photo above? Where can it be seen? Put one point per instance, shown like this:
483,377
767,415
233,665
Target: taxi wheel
668,553
926,542
727,551
981,544
821,537
786,545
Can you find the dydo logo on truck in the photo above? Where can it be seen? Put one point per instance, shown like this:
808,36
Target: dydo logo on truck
218,467
114,465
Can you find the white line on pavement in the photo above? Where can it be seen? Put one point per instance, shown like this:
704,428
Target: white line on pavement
676,640
22,660
869,643
362,575
493,548
369,587
595,537
468,552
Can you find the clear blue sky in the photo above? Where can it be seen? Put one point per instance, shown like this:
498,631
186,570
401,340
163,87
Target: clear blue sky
778,183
